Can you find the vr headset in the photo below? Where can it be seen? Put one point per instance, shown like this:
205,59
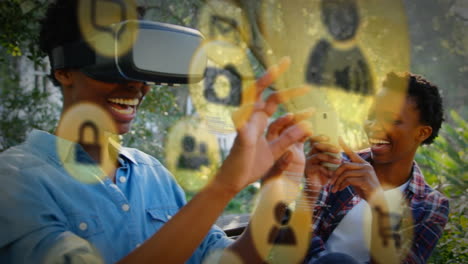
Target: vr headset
161,53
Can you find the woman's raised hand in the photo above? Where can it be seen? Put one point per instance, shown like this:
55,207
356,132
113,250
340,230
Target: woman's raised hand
252,154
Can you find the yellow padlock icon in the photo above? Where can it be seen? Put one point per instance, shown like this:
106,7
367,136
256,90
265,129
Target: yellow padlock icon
93,148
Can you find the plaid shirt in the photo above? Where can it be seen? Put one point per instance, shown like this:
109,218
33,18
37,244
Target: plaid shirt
429,208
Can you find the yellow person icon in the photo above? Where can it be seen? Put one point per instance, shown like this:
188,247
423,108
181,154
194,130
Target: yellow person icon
281,221
282,234
192,154
192,158
343,49
345,66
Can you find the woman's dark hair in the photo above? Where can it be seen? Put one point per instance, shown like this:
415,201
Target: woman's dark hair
426,96
59,26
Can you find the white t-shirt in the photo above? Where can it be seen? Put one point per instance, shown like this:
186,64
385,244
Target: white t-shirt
348,236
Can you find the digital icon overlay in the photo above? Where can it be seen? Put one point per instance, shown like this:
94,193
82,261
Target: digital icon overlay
342,49
192,153
87,143
99,24
228,75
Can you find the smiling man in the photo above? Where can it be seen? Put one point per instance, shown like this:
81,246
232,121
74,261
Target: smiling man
388,166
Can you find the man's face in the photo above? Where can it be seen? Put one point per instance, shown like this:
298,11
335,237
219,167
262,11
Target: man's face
120,100
394,134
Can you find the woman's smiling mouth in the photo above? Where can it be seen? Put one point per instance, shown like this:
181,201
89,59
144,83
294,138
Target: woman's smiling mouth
124,108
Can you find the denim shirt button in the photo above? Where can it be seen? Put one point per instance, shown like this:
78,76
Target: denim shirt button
125,207
122,179
83,226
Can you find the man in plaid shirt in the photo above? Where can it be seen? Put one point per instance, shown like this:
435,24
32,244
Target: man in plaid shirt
394,137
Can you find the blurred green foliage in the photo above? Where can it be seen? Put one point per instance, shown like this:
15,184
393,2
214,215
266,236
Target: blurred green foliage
444,162
19,28
445,167
158,111
22,109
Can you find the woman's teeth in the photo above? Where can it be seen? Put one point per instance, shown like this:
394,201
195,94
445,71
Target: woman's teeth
131,102
125,106
127,111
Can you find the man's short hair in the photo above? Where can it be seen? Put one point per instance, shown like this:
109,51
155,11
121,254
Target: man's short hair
426,96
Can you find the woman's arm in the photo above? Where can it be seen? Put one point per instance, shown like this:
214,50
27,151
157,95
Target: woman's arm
250,158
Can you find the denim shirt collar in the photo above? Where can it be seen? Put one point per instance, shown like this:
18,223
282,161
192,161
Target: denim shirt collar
47,143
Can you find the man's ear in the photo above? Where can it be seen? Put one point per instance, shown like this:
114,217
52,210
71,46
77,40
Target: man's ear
423,133
64,77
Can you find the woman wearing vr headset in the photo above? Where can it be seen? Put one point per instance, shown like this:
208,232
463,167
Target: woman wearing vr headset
49,217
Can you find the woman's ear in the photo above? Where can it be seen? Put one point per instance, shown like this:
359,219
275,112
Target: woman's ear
64,77
424,133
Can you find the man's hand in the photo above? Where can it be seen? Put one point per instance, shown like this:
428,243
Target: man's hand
317,174
358,173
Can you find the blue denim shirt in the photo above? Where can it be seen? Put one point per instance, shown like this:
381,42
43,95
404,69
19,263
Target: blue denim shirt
49,216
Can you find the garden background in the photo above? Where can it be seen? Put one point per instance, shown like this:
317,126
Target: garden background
439,50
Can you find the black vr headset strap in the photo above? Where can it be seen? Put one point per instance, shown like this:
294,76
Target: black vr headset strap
72,55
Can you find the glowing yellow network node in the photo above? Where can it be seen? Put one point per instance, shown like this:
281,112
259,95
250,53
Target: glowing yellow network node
343,49
276,240
223,89
93,128
192,154
95,19
398,231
